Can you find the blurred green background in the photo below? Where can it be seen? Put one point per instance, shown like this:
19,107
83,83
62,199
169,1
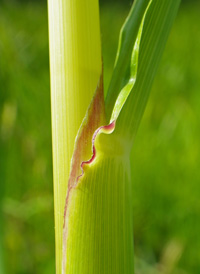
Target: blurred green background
165,157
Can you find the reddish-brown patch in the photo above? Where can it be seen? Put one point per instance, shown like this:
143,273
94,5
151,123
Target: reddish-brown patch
85,149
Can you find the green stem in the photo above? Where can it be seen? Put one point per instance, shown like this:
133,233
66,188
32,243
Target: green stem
100,229
75,63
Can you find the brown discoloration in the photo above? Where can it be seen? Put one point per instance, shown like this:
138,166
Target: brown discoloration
84,149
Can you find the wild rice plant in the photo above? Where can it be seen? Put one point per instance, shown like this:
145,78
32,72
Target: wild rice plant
93,135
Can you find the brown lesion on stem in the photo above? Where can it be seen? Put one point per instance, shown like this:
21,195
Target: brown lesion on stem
94,119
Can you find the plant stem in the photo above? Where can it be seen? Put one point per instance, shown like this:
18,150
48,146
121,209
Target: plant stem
100,229
75,64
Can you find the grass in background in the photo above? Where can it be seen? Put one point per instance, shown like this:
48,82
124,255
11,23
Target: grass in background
165,158
168,190
25,137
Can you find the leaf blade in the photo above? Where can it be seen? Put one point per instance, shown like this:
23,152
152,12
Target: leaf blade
157,25
125,47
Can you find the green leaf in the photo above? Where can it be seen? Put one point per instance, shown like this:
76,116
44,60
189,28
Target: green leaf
126,43
132,69
157,25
